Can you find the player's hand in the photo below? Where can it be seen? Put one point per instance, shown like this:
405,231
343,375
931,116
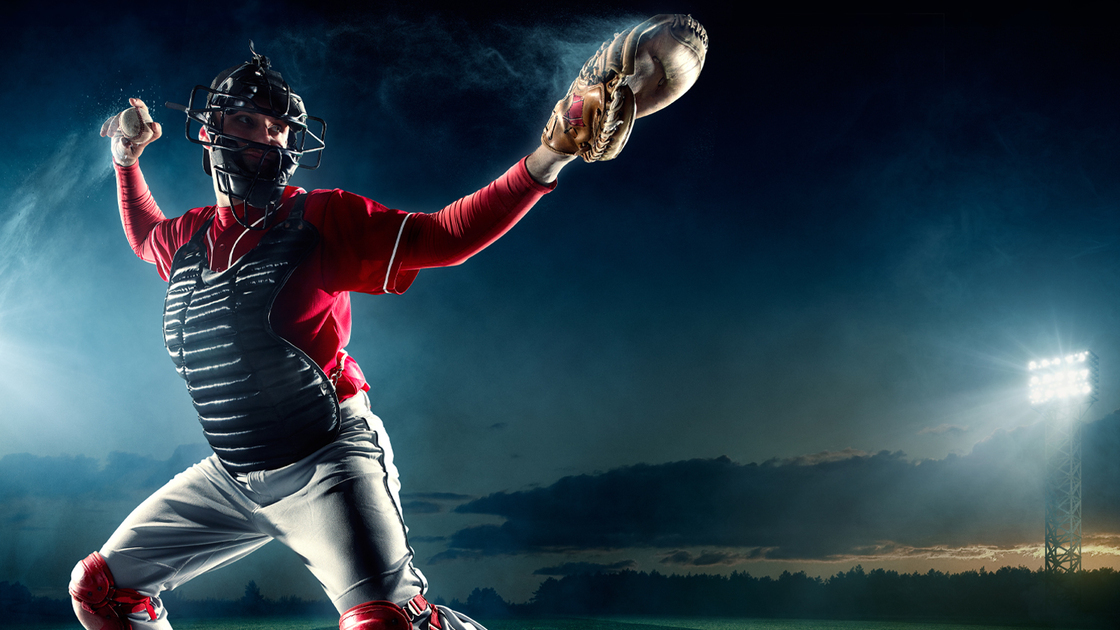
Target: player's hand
130,131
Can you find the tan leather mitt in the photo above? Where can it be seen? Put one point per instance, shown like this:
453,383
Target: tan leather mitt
640,71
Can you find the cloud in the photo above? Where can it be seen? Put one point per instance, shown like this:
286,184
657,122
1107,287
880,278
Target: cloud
68,476
818,507
1093,544
576,568
437,496
430,502
423,539
421,507
822,457
710,558
942,429
455,554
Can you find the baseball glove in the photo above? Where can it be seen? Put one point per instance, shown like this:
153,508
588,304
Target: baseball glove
640,71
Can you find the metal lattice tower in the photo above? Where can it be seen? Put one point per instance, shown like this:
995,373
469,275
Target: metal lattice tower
1063,491
1064,389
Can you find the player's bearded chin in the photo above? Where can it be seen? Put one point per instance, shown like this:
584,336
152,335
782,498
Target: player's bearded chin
266,163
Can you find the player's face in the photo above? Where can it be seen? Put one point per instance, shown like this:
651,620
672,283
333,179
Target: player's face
261,129
256,127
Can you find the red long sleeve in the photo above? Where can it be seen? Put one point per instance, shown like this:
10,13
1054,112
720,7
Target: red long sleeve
139,211
469,225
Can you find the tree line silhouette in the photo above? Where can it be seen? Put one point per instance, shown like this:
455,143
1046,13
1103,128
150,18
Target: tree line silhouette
1008,595
1087,599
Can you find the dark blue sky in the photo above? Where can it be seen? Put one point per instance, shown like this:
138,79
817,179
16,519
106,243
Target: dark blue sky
827,264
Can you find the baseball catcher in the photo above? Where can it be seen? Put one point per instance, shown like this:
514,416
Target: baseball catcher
257,319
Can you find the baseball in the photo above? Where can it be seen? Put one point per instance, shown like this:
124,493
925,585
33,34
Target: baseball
134,124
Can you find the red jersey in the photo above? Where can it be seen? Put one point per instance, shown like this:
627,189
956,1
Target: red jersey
363,246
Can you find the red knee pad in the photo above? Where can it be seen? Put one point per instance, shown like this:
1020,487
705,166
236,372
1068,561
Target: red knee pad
375,616
92,585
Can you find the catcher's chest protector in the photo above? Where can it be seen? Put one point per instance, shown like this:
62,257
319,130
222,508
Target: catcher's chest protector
262,402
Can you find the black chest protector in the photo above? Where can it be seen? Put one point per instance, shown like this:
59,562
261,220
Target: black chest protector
262,402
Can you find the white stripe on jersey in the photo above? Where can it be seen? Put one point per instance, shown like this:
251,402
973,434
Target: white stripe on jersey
245,231
389,271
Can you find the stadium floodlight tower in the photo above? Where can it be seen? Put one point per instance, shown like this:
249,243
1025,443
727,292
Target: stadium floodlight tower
1063,389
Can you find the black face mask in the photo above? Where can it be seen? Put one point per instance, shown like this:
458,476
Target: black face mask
259,181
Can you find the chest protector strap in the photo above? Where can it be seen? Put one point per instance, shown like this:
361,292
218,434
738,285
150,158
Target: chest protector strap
262,402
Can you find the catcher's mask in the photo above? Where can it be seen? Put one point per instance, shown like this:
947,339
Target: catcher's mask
244,169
